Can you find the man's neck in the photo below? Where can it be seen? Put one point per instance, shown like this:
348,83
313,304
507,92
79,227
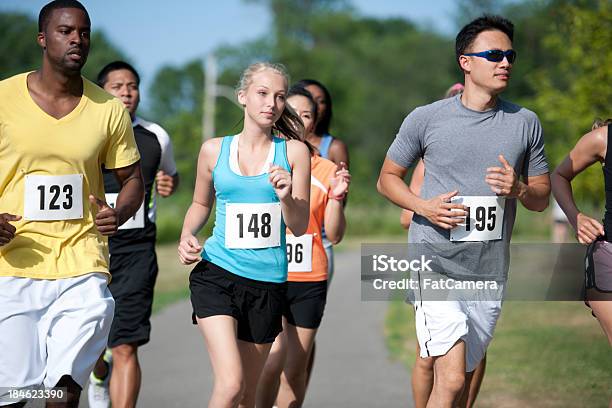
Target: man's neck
59,84
478,99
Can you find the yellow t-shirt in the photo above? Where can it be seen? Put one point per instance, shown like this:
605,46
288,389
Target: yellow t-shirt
32,143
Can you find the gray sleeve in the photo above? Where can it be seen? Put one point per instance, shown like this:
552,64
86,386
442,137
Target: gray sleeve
407,148
535,160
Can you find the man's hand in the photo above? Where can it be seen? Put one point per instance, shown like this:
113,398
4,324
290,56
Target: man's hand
164,184
7,230
106,219
503,180
439,211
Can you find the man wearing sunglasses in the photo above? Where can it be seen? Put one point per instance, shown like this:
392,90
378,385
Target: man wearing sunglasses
482,155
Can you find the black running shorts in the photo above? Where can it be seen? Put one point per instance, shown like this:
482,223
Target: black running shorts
256,305
305,303
133,280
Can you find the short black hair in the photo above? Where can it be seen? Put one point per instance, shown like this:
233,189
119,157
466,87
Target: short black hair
45,12
325,121
115,66
487,22
301,91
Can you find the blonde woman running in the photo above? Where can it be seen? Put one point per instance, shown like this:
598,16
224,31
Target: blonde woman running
261,184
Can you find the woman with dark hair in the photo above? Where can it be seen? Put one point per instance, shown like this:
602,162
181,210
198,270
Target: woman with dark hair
328,146
291,353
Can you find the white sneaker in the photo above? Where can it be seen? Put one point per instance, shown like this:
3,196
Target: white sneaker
97,393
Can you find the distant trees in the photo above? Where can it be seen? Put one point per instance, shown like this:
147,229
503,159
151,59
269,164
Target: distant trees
378,70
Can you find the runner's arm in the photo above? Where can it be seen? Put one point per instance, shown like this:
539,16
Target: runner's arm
416,182
338,153
589,149
296,206
167,178
204,193
131,194
534,192
335,222
438,210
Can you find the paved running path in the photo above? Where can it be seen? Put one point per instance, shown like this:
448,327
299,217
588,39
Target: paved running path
352,367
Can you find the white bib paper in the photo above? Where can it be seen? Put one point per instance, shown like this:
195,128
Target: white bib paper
299,253
53,198
485,218
251,226
136,221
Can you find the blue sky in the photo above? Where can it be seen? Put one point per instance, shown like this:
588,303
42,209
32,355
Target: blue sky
153,33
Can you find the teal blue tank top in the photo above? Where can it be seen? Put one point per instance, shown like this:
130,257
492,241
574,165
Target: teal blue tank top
262,264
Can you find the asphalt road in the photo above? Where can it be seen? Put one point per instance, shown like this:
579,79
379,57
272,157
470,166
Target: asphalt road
352,367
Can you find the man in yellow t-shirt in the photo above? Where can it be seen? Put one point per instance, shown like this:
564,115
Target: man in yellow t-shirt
56,130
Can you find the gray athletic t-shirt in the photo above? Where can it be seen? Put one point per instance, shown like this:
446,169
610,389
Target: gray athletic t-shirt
457,146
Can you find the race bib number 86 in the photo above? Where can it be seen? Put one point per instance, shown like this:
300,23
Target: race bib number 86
299,253
251,226
484,221
53,198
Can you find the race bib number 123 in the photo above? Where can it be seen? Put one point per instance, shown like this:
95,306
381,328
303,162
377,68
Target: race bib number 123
53,198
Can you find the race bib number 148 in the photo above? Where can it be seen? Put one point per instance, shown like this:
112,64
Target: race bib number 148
251,225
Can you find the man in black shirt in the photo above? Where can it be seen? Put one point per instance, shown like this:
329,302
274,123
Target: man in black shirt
133,262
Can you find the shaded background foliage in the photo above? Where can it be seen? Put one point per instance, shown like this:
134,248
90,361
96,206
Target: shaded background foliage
377,70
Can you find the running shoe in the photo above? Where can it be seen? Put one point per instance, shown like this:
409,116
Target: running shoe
97,393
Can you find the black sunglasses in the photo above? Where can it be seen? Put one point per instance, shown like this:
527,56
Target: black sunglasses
495,55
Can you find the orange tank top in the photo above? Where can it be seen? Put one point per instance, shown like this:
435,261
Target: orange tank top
306,255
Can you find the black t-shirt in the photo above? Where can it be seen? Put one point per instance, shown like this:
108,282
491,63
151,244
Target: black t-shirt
128,240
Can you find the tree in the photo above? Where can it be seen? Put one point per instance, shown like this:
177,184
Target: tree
176,102
575,90
19,42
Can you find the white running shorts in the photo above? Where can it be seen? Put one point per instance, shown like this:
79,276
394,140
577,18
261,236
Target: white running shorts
472,318
51,328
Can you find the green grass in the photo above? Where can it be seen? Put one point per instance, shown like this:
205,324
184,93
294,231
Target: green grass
544,354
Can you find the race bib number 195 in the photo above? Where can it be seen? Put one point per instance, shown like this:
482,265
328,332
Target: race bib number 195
251,226
484,221
53,198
